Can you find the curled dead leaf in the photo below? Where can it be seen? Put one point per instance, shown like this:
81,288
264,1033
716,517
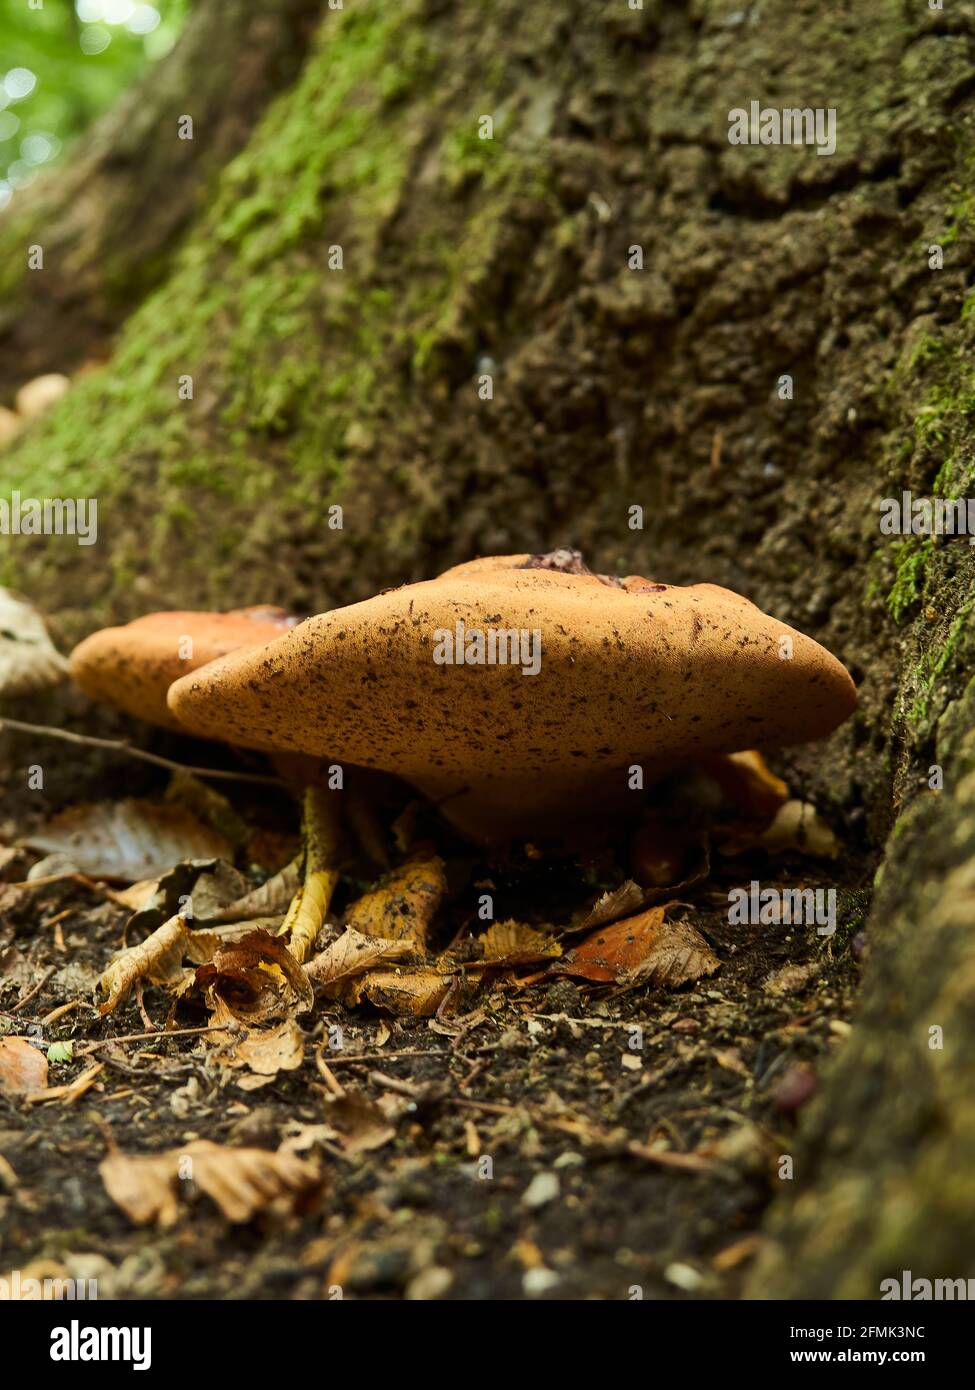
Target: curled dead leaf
156,960
257,978
513,943
263,1051
416,992
403,904
349,955
29,660
242,1182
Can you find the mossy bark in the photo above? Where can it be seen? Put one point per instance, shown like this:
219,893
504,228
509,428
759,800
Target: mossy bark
884,1177
367,264
109,223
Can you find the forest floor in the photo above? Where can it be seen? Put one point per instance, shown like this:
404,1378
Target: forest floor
546,1136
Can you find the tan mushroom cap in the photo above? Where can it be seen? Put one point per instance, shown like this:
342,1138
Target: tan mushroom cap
132,667
630,672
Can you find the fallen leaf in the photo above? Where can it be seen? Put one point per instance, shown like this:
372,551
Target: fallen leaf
513,943
257,978
616,903
416,992
29,660
403,904
128,840
641,949
269,900
23,1067
242,1182
264,1051
349,955
157,960
359,1123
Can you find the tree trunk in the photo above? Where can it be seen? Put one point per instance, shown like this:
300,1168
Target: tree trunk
494,335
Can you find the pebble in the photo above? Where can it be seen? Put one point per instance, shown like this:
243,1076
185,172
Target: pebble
543,1188
538,1281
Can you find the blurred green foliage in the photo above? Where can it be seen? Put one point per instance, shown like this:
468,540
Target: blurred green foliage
64,62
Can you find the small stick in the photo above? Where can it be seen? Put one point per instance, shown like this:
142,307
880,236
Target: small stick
393,1083
156,1035
324,1071
116,745
32,993
363,1057
63,1009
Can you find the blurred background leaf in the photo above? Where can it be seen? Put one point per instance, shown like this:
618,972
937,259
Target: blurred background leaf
64,62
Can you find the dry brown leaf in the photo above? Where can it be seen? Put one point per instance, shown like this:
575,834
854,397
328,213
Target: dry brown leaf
156,960
242,1182
417,992
639,950
359,1123
512,943
617,902
257,978
23,1067
29,660
403,904
264,1051
128,840
269,900
351,954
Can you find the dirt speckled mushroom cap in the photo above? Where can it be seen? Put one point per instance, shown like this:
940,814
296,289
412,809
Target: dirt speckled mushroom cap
132,667
629,671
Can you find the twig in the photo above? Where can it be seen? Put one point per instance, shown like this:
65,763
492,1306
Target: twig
32,993
383,1057
115,745
156,1035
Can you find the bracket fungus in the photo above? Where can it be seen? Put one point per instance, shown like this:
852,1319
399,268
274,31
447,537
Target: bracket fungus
520,692
133,666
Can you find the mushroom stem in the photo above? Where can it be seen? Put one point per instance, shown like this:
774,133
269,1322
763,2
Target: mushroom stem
305,916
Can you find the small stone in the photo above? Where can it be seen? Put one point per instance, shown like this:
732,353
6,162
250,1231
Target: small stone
539,1281
570,1159
795,1088
684,1277
431,1283
543,1188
